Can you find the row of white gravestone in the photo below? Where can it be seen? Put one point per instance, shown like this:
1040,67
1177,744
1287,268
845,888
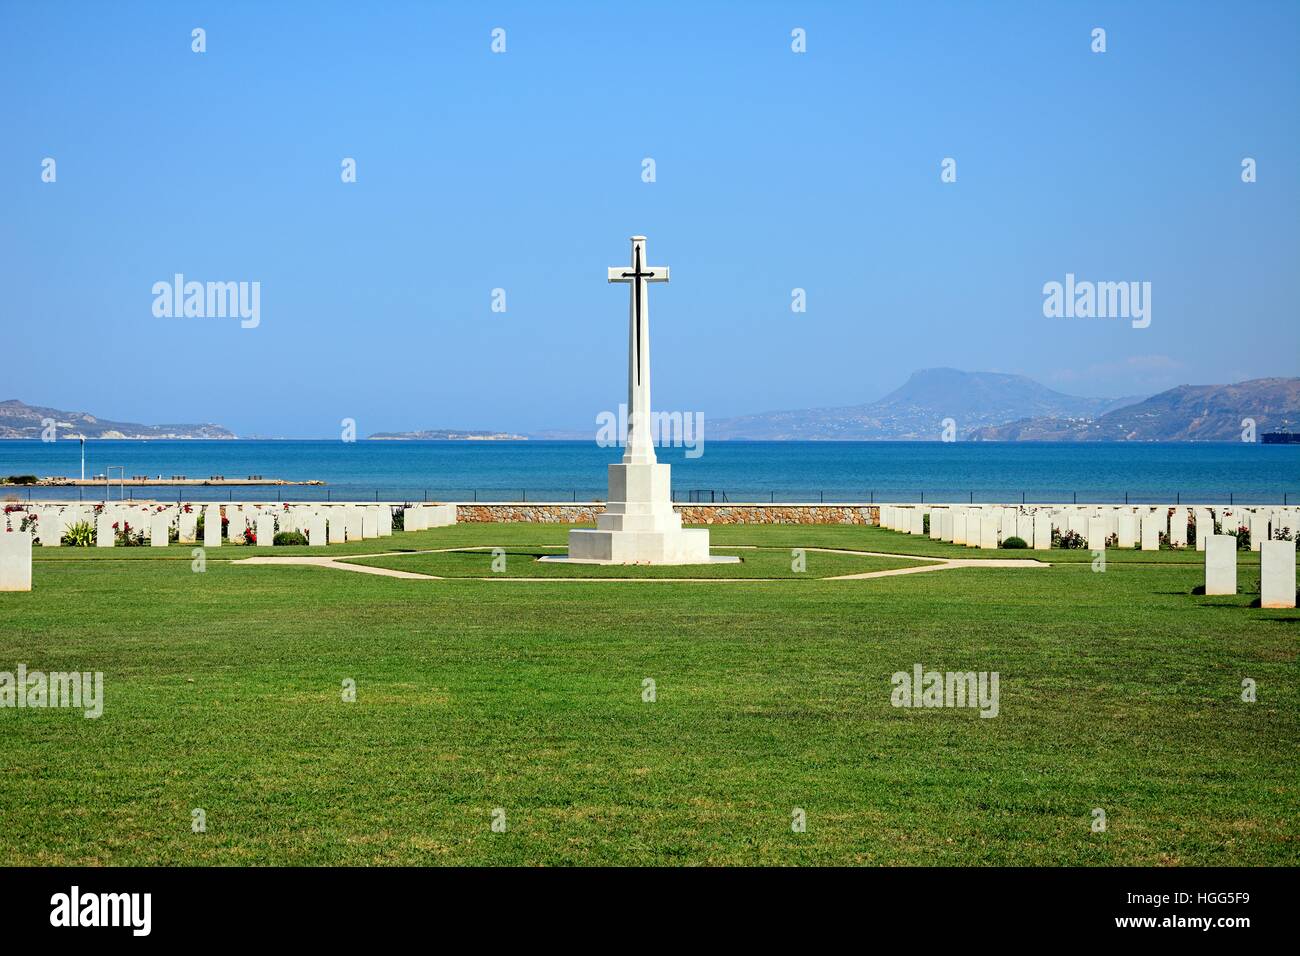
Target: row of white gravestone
1129,526
245,523
1277,570
321,524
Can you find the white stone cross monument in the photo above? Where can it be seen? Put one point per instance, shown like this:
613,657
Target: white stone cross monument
639,525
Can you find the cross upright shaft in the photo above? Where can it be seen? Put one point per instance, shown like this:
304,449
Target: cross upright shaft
640,446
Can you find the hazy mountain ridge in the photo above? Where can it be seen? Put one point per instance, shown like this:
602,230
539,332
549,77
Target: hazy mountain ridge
20,420
1184,413
917,410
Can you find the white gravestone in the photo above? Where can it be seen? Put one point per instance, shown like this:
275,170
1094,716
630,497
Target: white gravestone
1042,531
1277,574
159,528
1258,529
385,521
316,530
959,525
15,560
945,524
52,526
439,516
988,530
265,529
639,524
370,522
1097,533
1178,528
105,537
186,525
212,527
1128,530
1221,564
918,521
413,519
1204,527
355,523
1150,532
338,525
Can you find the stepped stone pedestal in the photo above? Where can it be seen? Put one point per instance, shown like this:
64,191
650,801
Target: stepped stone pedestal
639,525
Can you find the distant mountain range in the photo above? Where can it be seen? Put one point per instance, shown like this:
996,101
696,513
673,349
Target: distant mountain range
1185,413
19,420
917,410
983,406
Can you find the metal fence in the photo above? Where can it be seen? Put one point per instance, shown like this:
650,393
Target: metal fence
503,494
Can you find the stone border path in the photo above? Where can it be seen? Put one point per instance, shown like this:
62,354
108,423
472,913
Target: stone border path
932,564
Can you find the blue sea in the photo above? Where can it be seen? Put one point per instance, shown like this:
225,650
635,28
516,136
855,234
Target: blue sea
726,471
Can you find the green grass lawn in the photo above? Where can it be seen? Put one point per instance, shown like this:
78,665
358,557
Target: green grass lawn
1119,690
759,563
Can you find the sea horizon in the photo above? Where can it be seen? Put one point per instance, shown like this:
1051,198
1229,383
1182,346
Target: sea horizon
812,470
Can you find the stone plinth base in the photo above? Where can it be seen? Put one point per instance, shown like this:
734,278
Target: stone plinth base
676,546
639,525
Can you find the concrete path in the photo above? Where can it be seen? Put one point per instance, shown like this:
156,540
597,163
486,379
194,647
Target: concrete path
322,562
942,564
339,563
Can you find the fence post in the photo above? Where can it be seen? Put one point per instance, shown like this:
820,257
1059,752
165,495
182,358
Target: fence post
923,497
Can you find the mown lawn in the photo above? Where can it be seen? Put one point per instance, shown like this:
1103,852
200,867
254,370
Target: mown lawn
759,563
1119,690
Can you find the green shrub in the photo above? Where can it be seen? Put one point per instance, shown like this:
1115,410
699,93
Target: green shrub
20,480
289,537
79,535
1014,542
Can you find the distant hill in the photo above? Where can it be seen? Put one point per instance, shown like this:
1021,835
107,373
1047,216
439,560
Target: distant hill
916,410
1185,413
19,420
445,434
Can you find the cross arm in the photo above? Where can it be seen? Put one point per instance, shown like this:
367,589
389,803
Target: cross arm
626,273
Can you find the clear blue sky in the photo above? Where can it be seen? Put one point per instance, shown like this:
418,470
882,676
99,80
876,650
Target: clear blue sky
523,171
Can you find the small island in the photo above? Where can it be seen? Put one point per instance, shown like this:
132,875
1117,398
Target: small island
446,434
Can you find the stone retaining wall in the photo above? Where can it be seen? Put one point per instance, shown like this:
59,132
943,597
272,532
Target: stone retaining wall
560,513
